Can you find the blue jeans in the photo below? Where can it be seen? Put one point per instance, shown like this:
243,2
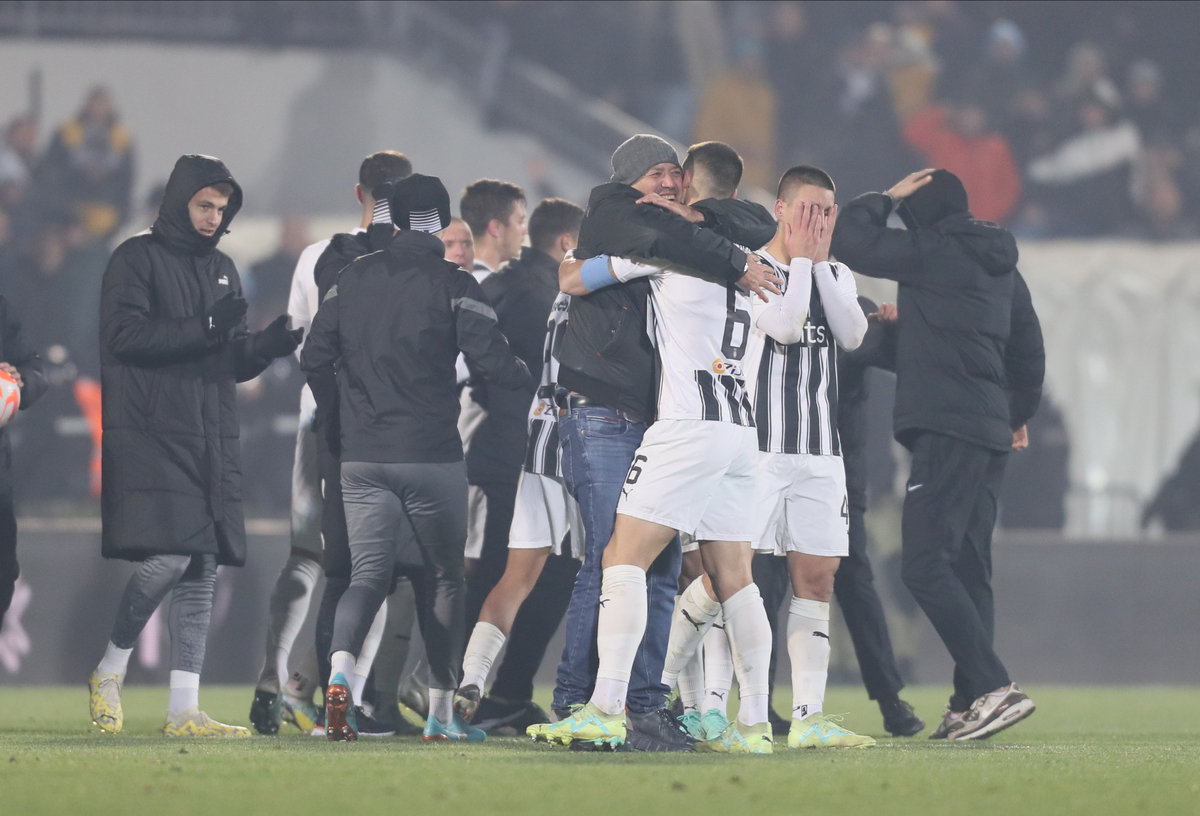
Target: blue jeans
597,450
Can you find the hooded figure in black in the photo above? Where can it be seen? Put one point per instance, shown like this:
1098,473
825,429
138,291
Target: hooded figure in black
173,346
957,279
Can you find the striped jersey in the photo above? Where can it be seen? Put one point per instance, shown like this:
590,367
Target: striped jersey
542,454
795,386
701,330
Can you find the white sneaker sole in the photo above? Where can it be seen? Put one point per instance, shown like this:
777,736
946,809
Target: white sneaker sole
1009,718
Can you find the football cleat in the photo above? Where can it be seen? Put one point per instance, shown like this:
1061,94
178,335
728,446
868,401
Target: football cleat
301,713
993,712
739,738
104,701
692,722
368,726
466,700
587,724
714,722
455,731
266,713
821,730
340,724
503,717
195,723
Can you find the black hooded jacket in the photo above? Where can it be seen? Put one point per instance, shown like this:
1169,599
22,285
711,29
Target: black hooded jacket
955,301
605,352
171,478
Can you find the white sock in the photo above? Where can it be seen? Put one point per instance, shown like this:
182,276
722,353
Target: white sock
287,609
184,693
693,616
303,683
808,647
441,705
115,660
691,683
750,642
486,642
718,666
619,631
341,663
366,657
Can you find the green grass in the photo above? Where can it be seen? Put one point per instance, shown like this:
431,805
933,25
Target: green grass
1086,750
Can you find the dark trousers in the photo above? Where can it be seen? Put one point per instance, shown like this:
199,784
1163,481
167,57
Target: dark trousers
335,557
854,588
9,570
493,556
949,515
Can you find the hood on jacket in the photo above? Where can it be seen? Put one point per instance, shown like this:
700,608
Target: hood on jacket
942,197
991,245
173,226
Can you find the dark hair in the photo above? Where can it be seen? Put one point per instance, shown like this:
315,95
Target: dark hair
803,174
386,165
487,199
223,187
721,164
550,219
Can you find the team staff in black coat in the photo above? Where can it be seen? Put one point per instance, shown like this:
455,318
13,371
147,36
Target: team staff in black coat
174,345
25,366
957,278
382,350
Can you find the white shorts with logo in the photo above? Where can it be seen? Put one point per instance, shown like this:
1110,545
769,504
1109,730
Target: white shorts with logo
695,476
800,505
544,515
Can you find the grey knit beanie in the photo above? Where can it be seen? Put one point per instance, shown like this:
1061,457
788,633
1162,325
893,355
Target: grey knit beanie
639,153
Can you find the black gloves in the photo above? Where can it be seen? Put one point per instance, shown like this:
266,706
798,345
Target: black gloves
224,315
275,340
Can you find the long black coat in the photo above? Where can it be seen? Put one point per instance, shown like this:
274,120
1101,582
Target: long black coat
171,479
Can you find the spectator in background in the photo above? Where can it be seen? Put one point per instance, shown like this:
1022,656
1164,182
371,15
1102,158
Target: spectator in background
460,244
958,139
88,168
1086,78
912,66
792,54
16,158
1087,181
1159,124
995,82
270,280
738,108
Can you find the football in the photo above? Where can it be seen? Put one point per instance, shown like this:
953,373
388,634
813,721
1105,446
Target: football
10,398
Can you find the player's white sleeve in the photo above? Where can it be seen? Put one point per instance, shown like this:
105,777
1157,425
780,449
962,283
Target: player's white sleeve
302,298
839,296
624,269
782,319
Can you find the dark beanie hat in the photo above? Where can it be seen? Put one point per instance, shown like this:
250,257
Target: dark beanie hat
941,197
420,203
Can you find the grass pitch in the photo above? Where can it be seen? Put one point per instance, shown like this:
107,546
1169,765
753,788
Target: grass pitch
1086,750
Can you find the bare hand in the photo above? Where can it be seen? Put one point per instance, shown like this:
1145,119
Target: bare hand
802,233
910,184
1021,438
759,278
16,375
825,235
888,313
682,210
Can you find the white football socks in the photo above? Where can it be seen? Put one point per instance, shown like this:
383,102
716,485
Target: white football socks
115,660
184,692
341,663
366,657
808,647
718,666
303,683
441,705
287,609
691,684
750,642
486,642
619,631
693,616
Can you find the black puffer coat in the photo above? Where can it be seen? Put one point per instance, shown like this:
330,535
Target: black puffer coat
172,480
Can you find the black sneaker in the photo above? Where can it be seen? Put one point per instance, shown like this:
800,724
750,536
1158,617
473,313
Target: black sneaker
393,719
368,726
266,714
656,731
506,718
779,726
899,719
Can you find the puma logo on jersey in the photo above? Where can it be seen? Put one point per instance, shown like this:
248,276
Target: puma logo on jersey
222,281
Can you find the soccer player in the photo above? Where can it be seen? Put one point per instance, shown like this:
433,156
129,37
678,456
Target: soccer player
276,697
173,347
401,456
801,507
694,472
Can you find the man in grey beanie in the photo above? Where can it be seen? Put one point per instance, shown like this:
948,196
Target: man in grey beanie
639,153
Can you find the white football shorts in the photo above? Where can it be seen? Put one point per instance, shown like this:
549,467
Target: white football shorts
800,505
695,476
544,515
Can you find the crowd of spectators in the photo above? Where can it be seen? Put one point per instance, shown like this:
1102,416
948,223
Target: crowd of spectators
1078,137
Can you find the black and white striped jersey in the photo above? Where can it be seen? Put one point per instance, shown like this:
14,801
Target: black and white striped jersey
795,386
701,330
542,454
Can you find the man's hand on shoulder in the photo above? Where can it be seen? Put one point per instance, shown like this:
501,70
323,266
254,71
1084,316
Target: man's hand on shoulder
760,278
682,210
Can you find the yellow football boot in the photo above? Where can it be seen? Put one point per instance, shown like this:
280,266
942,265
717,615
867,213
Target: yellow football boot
739,738
587,723
104,701
821,730
195,723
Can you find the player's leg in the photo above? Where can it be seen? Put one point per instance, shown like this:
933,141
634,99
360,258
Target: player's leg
188,620
718,678
154,578
690,678
335,558
394,648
